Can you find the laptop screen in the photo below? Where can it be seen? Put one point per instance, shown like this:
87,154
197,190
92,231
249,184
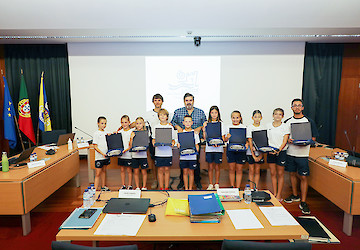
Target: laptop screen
301,131
163,135
238,135
260,138
186,140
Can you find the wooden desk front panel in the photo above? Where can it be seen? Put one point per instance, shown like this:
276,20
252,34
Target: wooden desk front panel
173,228
333,186
11,198
38,187
355,208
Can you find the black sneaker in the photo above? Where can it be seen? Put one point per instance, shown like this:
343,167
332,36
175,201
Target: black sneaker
304,208
105,189
198,186
180,186
292,198
123,187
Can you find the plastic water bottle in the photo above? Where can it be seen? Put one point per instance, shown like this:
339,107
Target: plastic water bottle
70,145
86,199
94,192
5,162
247,194
77,140
92,195
82,140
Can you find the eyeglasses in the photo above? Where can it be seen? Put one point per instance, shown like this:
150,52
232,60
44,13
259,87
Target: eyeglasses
297,106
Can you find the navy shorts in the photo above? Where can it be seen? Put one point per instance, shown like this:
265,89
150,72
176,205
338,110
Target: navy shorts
279,159
297,164
238,157
251,160
139,162
188,164
213,157
163,161
124,162
101,163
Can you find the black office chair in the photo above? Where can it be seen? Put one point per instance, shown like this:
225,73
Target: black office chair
62,245
251,245
48,137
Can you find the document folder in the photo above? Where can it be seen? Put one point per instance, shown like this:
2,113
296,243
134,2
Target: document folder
163,137
177,207
237,139
74,222
141,141
187,143
203,204
115,144
261,141
301,133
213,134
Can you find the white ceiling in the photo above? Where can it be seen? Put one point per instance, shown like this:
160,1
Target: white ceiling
179,20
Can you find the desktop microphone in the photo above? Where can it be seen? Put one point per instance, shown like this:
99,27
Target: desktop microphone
259,196
255,189
352,160
83,131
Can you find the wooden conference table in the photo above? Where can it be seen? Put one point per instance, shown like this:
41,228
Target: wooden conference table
23,188
174,228
340,185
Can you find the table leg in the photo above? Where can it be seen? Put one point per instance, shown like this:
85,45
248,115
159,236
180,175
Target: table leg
95,243
91,172
26,224
77,180
347,224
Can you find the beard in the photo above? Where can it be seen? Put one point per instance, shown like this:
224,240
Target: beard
189,106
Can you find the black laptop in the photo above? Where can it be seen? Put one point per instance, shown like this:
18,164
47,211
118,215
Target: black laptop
301,133
127,205
63,139
22,157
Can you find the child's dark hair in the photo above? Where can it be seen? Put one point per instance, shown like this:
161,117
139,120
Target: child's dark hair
100,118
237,112
125,117
211,109
279,109
157,96
187,116
257,112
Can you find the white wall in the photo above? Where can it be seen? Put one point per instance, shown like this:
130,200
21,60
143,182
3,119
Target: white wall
109,78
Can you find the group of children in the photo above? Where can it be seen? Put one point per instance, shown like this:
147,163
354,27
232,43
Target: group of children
132,162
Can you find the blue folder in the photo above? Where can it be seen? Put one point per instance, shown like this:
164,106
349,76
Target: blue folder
237,140
74,222
203,204
115,144
213,134
187,143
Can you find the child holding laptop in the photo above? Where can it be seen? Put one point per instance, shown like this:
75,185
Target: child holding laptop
188,163
163,154
101,160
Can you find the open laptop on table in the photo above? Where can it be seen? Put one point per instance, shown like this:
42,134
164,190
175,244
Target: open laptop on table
301,133
22,157
187,143
163,137
141,141
127,205
115,144
213,134
261,141
237,139
63,139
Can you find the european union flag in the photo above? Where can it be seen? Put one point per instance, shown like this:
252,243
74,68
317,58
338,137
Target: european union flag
8,116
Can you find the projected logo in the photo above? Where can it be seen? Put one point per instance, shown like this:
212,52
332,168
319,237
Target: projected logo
186,82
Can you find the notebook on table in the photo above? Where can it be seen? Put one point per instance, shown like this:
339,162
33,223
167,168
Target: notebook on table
261,141
163,137
301,133
115,144
237,139
140,141
187,143
127,205
213,134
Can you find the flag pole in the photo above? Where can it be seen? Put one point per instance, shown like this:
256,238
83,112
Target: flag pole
38,127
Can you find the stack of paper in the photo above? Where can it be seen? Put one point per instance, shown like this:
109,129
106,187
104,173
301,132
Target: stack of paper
206,208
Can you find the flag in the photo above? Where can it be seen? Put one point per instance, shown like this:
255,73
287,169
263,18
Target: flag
25,122
44,114
8,117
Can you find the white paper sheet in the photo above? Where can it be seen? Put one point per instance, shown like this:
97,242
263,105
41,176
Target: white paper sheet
244,219
120,224
278,216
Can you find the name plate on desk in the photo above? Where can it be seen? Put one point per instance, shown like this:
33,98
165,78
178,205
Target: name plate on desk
337,163
35,164
83,145
125,193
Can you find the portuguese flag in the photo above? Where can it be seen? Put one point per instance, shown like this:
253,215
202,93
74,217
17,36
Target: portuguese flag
25,122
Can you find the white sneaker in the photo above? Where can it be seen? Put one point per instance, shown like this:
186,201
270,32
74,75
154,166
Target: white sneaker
137,188
210,187
143,188
217,186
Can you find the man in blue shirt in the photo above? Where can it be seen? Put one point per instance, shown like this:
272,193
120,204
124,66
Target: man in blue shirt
198,117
